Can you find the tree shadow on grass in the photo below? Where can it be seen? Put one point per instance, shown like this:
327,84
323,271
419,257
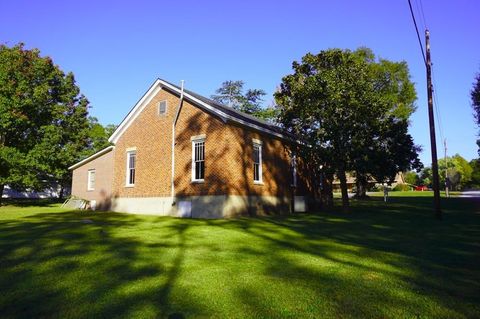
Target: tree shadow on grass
390,260
31,202
81,265
434,263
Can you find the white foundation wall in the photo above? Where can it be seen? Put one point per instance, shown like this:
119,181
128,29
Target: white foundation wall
218,206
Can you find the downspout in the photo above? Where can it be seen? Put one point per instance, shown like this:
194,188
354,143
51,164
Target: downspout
177,114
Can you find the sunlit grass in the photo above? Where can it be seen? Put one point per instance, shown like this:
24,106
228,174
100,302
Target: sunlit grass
383,260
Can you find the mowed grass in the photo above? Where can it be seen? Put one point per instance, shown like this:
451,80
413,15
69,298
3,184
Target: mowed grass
383,260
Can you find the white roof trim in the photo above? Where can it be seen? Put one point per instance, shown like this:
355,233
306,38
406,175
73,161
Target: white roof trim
223,114
137,109
92,157
156,86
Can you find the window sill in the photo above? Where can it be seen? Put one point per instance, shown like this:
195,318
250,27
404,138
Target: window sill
90,190
257,183
198,181
130,186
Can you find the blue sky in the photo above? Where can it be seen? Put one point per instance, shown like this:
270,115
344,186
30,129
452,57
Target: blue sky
117,48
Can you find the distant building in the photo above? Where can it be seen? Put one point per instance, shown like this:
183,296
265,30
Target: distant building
351,182
49,192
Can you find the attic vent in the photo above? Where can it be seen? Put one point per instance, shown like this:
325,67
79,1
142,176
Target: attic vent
162,107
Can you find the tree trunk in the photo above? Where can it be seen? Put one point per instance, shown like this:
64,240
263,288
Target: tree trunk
62,190
327,191
343,186
2,187
361,183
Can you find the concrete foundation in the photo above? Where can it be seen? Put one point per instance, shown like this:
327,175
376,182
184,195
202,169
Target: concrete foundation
218,206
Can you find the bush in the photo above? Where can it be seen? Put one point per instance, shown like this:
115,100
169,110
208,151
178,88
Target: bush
401,188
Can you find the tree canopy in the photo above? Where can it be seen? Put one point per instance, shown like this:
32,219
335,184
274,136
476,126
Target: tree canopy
351,112
475,95
232,93
44,125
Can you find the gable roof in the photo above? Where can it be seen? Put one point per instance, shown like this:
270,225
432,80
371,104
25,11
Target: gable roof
92,157
226,113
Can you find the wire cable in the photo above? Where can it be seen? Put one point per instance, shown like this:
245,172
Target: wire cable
437,107
423,15
418,34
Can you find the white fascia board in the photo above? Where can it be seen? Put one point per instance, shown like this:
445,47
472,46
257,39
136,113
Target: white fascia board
92,157
137,109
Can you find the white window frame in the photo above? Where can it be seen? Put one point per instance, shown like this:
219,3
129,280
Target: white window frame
166,107
128,168
195,140
91,187
258,144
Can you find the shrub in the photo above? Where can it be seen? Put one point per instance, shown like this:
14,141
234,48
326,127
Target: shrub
401,188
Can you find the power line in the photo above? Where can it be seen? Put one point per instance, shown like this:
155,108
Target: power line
419,6
420,13
423,15
416,29
437,106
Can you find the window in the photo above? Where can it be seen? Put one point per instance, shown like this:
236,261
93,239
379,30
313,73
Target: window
131,162
91,180
257,162
198,160
162,107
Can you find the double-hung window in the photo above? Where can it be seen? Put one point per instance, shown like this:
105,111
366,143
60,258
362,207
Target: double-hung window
91,180
198,160
257,162
131,163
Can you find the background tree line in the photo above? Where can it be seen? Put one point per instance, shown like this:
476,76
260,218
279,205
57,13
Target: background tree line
461,173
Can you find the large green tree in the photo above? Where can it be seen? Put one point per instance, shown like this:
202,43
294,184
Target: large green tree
43,119
347,112
391,148
475,95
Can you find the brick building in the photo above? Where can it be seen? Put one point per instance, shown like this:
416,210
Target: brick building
178,153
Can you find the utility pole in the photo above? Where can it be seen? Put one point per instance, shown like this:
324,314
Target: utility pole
447,184
433,142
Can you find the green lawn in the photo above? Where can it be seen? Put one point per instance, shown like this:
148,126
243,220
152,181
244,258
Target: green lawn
383,260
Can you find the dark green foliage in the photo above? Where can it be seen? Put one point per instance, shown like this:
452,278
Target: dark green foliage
475,95
43,121
352,112
475,182
97,136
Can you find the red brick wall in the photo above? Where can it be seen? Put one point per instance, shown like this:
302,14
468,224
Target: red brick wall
103,166
228,155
